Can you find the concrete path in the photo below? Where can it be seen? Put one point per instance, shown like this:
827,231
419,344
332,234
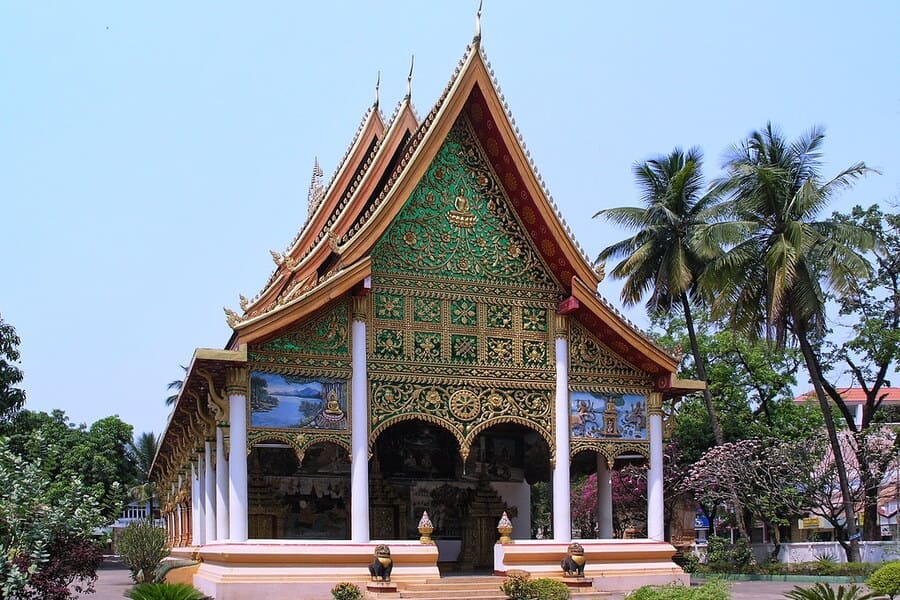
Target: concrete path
113,580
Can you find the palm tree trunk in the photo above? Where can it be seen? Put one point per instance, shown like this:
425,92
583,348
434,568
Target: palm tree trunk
700,366
812,366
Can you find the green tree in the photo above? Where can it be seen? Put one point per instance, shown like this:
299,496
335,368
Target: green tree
660,259
45,527
770,280
141,452
97,455
12,398
870,353
175,386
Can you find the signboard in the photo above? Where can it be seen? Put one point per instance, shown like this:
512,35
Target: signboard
809,523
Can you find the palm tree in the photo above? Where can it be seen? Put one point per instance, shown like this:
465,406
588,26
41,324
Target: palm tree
142,451
660,260
780,261
175,385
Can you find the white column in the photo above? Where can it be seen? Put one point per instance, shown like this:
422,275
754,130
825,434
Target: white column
236,388
655,516
178,526
359,413
604,499
196,503
209,494
562,509
170,529
221,486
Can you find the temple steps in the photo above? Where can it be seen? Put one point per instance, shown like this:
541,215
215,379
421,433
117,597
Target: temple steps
471,588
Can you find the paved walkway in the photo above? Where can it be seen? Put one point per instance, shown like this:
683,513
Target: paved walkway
113,581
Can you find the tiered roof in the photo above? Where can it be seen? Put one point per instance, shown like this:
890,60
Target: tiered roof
386,162
329,257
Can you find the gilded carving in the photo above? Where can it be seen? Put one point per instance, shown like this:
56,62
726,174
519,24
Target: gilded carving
610,450
236,379
360,307
464,410
458,224
654,403
299,442
591,361
319,343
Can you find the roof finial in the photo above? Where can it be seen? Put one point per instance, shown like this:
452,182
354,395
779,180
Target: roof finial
478,22
377,85
412,62
316,190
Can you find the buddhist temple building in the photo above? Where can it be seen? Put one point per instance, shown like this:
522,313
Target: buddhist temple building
431,341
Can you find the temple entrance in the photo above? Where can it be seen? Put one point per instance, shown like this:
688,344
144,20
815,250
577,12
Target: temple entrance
292,500
620,512
417,467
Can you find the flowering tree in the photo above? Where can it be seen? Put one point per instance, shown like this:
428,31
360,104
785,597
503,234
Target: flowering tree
774,479
45,529
629,494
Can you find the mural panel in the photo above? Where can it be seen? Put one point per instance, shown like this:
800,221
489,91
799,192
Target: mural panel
608,416
296,402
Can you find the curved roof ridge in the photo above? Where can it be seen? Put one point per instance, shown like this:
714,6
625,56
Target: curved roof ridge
544,187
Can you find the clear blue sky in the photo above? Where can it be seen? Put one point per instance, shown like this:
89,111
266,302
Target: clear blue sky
151,154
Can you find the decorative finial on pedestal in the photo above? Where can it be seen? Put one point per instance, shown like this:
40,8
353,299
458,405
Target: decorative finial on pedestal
478,23
426,527
504,527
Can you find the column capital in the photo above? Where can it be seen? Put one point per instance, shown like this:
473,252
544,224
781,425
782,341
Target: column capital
654,403
236,380
560,325
360,309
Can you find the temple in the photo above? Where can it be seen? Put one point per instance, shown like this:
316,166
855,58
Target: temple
432,341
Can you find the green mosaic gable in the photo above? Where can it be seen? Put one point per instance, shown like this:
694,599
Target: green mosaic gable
457,224
319,345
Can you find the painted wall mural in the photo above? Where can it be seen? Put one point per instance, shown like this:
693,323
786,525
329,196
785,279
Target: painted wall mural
608,416
296,402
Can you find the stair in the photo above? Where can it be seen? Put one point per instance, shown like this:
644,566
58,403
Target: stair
471,588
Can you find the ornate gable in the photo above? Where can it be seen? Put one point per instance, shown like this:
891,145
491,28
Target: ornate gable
458,225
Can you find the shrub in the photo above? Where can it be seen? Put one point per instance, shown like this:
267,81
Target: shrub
515,586
690,563
45,527
346,591
823,591
142,546
711,590
545,588
886,580
164,591
720,552
72,562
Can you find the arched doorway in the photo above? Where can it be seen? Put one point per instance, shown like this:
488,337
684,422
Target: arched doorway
417,466
288,499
